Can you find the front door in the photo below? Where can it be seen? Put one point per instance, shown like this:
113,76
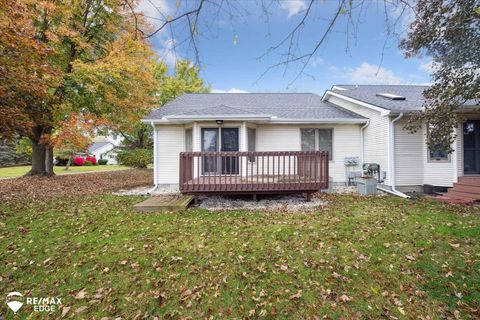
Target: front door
220,139
229,143
471,147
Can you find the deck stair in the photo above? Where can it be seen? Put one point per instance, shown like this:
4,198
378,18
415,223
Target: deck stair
465,191
164,203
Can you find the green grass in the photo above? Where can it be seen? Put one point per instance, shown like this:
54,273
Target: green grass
12,172
358,258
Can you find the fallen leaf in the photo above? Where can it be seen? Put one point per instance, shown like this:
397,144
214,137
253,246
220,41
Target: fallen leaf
344,298
297,295
409,257
81,294
81,309
65,310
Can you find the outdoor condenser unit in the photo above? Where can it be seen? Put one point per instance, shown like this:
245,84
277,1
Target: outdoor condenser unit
372,170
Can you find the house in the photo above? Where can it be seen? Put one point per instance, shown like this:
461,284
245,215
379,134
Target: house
359,122
102,148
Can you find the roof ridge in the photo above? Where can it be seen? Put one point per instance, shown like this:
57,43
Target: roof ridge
206,108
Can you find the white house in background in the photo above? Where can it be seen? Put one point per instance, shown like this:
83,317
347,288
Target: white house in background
102,148
364,121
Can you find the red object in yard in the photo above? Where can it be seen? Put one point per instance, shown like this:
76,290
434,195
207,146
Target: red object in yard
78,161
92,159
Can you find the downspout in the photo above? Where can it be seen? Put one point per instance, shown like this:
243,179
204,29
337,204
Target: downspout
155,165
391,159
362,142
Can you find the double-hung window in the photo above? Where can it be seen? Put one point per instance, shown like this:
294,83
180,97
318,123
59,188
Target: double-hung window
317,139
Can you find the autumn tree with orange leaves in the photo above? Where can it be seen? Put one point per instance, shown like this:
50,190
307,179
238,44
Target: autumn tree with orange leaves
61,61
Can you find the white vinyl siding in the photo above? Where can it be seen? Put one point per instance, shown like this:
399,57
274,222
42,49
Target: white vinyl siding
375,135
438,173
170,142
408,155
346,142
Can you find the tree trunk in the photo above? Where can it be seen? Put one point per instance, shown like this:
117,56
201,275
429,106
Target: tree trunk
49,160
67,167
38,159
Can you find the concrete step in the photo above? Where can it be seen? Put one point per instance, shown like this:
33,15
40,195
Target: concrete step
164,203
471,181
463,194
451,200
466,187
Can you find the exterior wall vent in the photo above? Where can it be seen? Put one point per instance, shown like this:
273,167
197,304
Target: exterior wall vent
391,96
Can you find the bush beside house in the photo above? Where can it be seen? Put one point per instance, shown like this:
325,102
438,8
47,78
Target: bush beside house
135,158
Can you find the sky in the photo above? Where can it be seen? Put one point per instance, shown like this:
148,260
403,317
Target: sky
234,52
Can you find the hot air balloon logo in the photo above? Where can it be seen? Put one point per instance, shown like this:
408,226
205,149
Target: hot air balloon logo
14,301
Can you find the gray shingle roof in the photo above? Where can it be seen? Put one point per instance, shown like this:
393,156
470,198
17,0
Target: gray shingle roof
291,106
97,145
368,93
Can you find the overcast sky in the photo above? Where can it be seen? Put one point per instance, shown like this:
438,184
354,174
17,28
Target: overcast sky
232,52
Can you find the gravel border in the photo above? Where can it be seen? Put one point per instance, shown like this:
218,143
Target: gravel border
278,203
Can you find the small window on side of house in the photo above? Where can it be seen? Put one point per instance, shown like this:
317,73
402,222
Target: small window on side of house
438,154
252,138
189,140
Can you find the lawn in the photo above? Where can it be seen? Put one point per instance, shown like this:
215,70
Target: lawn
11,172
357,258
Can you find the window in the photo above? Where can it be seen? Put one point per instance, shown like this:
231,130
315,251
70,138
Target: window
438,154
317,139
188,140
251,137
308,139
325,141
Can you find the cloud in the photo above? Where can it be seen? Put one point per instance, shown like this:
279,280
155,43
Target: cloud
231,90
155,11
167,52
403,14
293,6
427,67
371,74
316,61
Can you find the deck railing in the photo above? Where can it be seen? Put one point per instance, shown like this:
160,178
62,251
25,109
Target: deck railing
253,172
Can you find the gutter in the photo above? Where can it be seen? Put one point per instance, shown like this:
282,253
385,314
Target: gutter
272,120
362,143
155,183
391,159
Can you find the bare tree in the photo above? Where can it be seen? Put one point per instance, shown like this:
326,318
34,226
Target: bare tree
199,18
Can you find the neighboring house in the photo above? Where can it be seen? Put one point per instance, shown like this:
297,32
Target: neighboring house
348,121
102,149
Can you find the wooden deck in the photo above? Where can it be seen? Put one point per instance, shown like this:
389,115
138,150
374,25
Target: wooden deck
253,172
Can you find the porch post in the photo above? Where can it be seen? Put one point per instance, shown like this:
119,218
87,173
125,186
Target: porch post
243,147
155,155
196,146
457,148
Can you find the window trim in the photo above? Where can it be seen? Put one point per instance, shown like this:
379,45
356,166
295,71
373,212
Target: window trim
429,157
433,160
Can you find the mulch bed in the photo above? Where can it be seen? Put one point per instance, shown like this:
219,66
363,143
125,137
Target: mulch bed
42,188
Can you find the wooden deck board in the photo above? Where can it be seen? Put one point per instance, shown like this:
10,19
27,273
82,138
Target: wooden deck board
164,203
